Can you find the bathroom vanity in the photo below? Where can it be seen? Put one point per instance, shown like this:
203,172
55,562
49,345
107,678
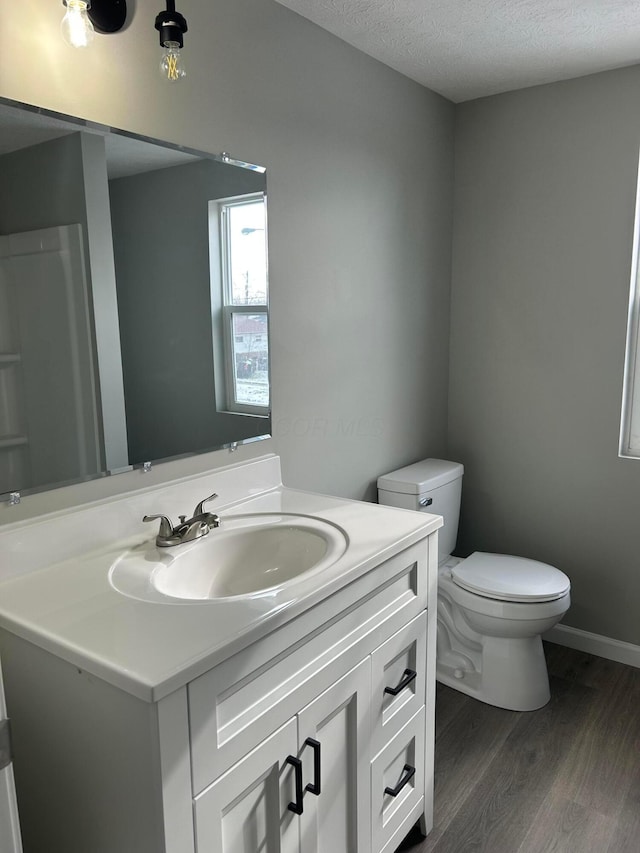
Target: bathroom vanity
297,717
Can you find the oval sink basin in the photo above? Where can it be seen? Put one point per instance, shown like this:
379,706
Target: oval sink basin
247,556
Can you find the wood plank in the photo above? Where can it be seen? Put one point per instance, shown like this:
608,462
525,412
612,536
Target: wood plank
583,668
511,784
562,826
598,770
626,838
467,746
448,704
565,778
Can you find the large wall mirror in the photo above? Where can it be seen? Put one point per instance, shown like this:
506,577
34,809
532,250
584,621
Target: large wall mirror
133,301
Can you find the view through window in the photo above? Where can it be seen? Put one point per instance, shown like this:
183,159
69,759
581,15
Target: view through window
245,299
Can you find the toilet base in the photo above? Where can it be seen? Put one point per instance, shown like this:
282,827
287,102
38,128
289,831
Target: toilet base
509,673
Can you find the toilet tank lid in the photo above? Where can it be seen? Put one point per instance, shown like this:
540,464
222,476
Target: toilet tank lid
421,476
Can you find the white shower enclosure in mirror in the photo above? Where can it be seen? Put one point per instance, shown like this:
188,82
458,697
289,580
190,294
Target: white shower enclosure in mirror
10,841
133,301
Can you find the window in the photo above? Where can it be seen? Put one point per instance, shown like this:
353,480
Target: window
630,421
245,317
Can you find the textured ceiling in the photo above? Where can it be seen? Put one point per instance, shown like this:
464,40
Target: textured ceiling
466,49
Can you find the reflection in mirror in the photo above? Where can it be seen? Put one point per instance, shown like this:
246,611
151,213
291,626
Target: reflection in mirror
133,301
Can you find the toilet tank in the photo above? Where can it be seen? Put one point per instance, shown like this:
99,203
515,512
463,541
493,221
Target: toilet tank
433,485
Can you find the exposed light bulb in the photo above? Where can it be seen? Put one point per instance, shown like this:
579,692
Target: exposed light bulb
171,26
77,30
171,65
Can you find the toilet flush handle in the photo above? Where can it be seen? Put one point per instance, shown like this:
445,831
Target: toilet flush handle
425,501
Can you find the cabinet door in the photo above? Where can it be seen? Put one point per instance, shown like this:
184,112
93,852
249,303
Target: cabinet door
338,820
246,809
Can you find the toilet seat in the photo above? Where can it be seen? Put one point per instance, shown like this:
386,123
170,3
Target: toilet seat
507,578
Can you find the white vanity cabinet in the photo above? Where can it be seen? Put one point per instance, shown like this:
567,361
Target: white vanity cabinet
316,764
340,698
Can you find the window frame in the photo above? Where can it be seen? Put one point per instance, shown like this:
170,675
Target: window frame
228,309
629,443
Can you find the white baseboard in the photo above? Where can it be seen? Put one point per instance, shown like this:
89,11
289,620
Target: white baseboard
594,644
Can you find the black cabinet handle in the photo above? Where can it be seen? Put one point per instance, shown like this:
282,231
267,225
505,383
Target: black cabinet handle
314,788
297,767
408,772
407,677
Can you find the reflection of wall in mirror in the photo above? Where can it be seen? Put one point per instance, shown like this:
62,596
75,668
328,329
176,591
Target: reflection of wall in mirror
48,386
47,297
161,244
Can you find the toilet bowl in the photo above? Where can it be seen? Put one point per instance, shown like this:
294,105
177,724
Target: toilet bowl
490,647
492,608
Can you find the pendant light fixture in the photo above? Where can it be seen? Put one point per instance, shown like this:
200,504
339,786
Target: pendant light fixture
172,26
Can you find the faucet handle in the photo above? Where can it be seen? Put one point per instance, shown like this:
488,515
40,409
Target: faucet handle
199,510
166,527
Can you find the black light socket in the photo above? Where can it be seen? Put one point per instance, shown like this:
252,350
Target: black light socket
171,25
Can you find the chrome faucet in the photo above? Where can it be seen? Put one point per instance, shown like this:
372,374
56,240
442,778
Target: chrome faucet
189,529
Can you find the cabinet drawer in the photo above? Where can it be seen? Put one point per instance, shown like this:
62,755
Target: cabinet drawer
237,704
397,784
398,681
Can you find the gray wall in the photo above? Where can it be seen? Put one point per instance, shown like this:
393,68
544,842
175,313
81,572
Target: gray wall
64,182
105,303
161,247
359,169
359,164
43,186
544,200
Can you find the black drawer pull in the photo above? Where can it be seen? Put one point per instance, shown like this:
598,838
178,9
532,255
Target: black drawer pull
407,677
408,772
297,767
314,788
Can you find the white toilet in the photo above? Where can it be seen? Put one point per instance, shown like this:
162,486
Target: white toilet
492,609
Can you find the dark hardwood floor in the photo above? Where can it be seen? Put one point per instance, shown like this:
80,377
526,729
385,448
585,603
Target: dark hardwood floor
565,778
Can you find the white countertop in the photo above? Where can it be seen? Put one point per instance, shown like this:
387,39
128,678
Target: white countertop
60,598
